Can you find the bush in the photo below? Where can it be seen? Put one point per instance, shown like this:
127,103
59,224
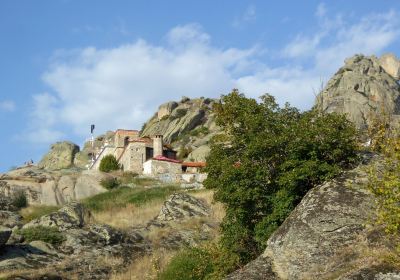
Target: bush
266,160
189,264
109,163
109,183
19,199
46,234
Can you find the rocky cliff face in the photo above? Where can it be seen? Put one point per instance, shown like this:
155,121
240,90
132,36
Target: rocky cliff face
328,236
363,88
187,125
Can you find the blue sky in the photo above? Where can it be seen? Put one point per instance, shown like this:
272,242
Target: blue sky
65,64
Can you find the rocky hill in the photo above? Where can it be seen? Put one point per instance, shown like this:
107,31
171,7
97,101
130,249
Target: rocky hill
365,87
187,125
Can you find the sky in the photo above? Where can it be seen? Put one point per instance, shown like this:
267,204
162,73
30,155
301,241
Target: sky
67,64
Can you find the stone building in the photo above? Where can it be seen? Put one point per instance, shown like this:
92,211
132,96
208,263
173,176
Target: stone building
133,151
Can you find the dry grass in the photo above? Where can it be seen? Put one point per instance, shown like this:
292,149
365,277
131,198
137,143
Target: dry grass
147,267
217,208
131,215
35,211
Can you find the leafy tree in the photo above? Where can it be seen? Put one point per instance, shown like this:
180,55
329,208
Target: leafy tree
266,160
109,163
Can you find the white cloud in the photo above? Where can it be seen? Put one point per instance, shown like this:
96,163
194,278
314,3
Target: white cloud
249,15
7,106
122,87
321,10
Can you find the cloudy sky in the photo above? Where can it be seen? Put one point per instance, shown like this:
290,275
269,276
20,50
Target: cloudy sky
66,64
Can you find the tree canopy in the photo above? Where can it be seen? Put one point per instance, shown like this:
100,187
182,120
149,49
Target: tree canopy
266,160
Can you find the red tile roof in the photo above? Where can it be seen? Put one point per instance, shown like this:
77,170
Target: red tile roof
194,164
162,158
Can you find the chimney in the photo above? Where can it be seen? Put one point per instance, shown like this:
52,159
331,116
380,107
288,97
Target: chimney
157,145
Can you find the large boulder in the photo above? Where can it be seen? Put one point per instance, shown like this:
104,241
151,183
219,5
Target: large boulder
49,187
200,154
5,234
60,156
72,215
326,236
180,206
10,219
361,89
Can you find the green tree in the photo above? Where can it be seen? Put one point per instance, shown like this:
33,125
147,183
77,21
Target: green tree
109,163
266,160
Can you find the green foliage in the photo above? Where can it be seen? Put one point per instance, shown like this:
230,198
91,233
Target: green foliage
265,162
184,152
46,234
123,196
110,183
210,261
384,183
189,264
19,199
37,211
109,163
179,113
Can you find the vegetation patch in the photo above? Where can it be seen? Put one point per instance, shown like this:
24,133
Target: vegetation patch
36,211
19,199
266,160
123,196
109,163
110,183
46,234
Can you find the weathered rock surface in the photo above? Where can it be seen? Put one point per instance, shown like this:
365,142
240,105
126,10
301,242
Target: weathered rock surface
72,215
186,125
322,237
391,64
180,206
200,154
60,156
10,219
50,187
5,233
361,89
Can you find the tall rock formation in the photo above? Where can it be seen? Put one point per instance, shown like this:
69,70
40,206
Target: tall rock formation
187,125
362,89
60,156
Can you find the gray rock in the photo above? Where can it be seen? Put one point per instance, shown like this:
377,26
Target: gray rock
44,247
49,187
72,215
166,109
312,242
199,154
10,219
60,156
5,233
362,90
180,206
107,234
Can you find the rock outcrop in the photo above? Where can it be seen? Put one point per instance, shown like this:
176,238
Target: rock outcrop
50,187
180,206
5,233
60,156
187,125
325,237
391,64
362,89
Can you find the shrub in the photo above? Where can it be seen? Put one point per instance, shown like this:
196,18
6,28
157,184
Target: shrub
109,163
19,199
266,160
189,264
46,234
109,183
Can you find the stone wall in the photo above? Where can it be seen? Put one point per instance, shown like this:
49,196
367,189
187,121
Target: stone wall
134,157
154,167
